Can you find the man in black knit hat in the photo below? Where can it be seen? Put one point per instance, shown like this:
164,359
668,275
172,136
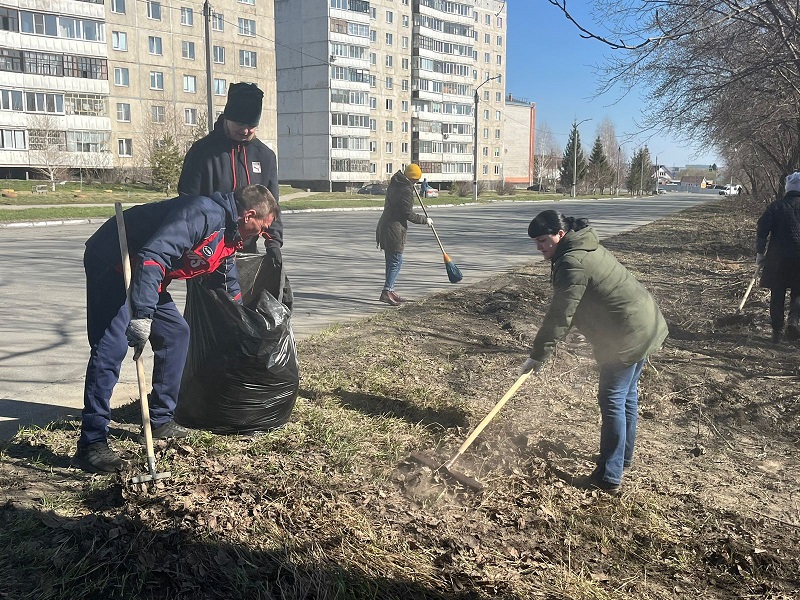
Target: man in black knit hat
232,157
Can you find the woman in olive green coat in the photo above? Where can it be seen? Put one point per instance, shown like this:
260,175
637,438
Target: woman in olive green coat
616,314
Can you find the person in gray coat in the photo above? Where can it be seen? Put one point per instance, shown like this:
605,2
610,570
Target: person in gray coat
780,224
391,233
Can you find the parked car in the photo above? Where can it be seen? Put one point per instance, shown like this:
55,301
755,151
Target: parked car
432,193
374,189
731,190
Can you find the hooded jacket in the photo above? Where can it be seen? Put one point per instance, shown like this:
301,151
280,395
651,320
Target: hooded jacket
217,163
608,305
781,224
398,209
181,238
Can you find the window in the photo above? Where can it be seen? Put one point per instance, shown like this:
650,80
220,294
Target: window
404,63
220,87
11,100
488,19
498,96
373,58
389,147
86,141
250,2
90,105
404,85
153,10
404,105
389,169
12,139
373,36
154,45
389,61
485,169
190,84
119,40
487,38
125,147
190,116
247,58
497,134
40,63
373,146
497,169
373,125
187,50
499,40
486,133
389,104
219,55
43,102
389,83
123,112
187,16
157,113
389,126
122,76
486,114
389,16
496,152
156,80
487,57
118,6
485,95
389,39
485,151
404,147
404,127
499,60
404,41
86,67
405,20
218,22
373,103
373,13
499,21
38,23
497,115
247,27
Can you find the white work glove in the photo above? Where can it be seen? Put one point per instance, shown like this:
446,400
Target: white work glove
429,222
530,365
138,332
760,259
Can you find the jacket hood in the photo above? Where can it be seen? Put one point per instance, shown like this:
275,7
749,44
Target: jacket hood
584,239
228,204
400,178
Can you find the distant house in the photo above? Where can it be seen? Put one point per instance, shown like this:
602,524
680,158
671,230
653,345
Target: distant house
663,174
696,181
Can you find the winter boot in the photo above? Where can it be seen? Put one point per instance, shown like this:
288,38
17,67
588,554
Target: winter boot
792,330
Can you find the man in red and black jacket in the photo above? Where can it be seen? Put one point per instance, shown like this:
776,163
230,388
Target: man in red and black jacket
181,238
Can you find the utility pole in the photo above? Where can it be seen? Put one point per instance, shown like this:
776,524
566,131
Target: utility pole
641,172
475,141
575,156
619,154
209,81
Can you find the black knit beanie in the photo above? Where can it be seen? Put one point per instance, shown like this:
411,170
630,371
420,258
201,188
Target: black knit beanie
244,104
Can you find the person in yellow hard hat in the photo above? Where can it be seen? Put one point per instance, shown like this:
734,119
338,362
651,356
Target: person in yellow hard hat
390,234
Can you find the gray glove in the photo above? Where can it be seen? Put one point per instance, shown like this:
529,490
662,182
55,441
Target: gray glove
429,222
760,259
138,332
530,365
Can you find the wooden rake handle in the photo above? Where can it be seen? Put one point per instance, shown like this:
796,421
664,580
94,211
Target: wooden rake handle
487,419
749,289
140,374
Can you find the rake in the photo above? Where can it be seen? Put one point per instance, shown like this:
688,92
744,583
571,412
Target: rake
447,468
140,376
749,289
453,273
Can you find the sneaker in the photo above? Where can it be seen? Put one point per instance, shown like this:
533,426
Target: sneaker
386,296
168,430
97,458
594,482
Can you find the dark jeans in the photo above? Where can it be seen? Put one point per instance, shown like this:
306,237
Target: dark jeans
107,318
777,307
618,398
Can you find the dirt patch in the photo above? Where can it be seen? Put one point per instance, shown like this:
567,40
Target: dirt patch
328,507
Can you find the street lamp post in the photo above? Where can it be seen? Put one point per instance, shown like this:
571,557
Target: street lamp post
575,157
475,141
658,168
619,155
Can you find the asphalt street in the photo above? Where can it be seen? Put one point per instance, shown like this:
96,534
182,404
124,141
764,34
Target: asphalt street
330,257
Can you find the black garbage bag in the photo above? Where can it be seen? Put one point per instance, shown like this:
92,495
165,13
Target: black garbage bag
241,373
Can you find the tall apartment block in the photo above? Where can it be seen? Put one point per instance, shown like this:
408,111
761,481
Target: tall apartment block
96,86
519,116
366,87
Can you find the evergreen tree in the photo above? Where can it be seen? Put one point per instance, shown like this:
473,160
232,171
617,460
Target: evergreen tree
573,153
642,175
166,162
599,174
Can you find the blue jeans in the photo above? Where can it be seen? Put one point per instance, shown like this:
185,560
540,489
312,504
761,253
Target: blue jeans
618,398
394,260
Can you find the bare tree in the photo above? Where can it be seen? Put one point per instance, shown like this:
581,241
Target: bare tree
48,148
547,156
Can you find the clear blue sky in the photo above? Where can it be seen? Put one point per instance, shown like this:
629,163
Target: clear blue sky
550,64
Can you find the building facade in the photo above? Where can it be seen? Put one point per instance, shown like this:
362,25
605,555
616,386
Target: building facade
367,87
519,116
99,86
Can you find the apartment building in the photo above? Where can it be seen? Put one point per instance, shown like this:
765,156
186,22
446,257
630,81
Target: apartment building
519,116
97,86
367,87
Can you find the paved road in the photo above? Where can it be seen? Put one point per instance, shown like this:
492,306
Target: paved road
335,269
